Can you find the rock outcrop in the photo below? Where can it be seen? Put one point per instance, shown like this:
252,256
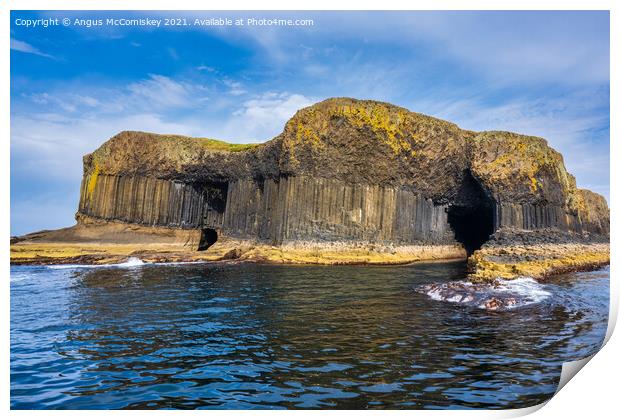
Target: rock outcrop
346,171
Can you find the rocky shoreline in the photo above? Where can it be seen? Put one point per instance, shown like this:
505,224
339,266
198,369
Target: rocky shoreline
511,254
507,255
536,262
347,181
48,253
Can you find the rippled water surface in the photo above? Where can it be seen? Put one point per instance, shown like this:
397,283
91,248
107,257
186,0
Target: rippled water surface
263,336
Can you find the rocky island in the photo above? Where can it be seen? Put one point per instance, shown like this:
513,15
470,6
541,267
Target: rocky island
346,182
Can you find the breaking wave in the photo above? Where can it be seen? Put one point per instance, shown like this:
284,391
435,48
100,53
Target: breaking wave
496,295
130,263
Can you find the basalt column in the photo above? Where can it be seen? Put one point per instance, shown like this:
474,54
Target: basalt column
316,209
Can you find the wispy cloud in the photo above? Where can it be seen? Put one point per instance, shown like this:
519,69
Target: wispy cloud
508,47
68,102
163,91
573,124
503,47
236,88
172,52
264,115
48,141
24,47
62,125
202,67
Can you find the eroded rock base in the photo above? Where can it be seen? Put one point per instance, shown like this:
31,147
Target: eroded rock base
510,254
94,242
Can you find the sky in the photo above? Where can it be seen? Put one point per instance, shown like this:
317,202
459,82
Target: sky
73,87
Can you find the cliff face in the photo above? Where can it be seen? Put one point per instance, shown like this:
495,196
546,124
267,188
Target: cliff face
343,170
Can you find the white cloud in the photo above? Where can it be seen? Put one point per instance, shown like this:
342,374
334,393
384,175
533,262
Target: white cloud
508,47
264,116
567,123
273,105
69,103
503,47
51,131
162,91
236,88
27,48
206,68
87,100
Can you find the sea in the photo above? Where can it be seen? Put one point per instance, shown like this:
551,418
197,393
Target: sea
259,336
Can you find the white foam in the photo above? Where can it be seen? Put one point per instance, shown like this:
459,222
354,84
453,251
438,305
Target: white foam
435,295
526,287
497,295
130,263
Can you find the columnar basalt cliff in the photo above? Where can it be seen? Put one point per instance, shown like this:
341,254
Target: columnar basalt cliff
343,171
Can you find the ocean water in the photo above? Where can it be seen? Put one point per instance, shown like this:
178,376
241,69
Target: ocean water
241,336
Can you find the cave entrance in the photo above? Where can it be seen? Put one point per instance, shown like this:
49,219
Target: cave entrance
472,215
208,237
472,226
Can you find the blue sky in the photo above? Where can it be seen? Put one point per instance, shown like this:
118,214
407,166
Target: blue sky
72,88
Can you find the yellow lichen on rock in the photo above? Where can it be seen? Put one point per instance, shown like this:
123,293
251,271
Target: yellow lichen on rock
91,250
534,184
382,121
92,180
506,160
136,151
536,261
307,134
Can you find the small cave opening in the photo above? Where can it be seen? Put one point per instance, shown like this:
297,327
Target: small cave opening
472,215
208,237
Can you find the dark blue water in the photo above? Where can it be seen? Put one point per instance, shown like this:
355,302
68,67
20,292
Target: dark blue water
263,336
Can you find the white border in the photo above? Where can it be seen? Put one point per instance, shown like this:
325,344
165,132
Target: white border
573,402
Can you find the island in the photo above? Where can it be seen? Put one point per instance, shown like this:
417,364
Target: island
347,182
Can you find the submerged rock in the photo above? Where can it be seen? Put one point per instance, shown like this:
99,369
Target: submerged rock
499,294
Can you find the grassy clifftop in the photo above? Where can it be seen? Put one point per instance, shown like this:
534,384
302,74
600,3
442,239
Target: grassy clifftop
165,156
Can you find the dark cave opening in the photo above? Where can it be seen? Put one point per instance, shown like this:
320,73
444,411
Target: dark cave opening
472,215
207,238
472,225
